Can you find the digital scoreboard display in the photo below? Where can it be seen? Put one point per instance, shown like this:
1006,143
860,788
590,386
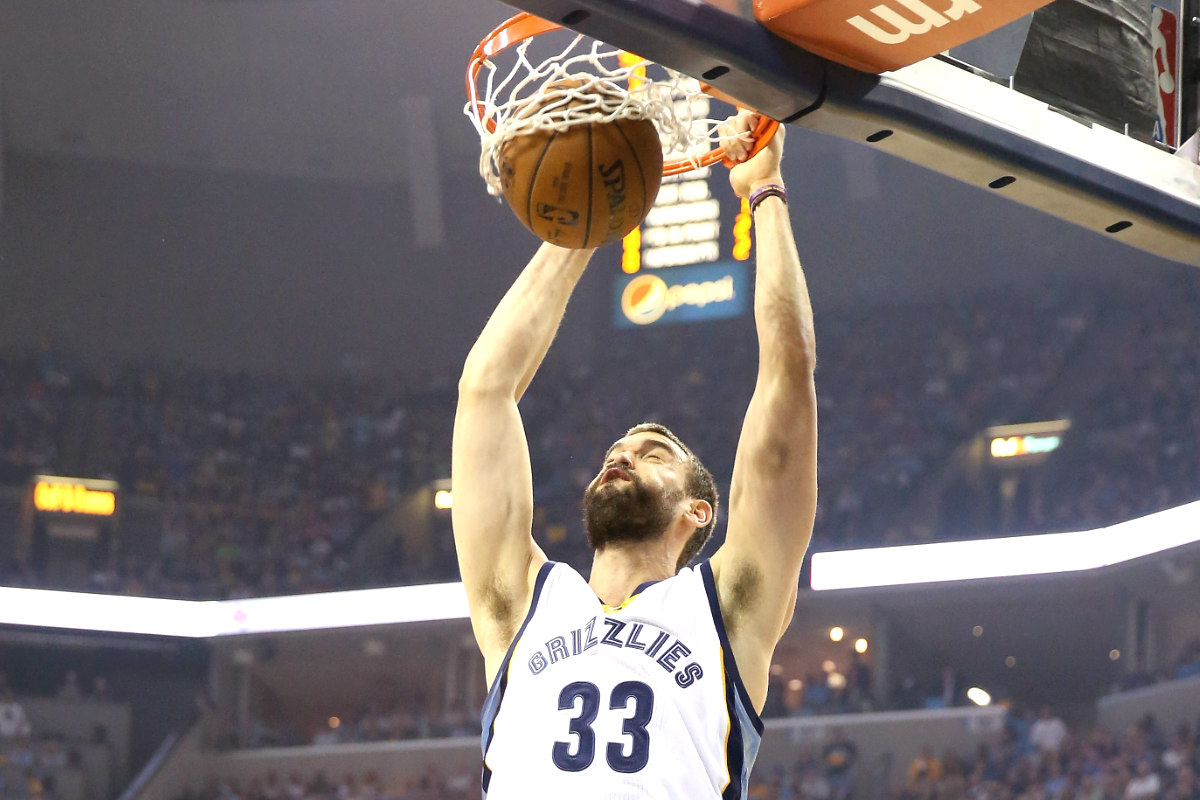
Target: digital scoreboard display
1025,444
74,496
676,265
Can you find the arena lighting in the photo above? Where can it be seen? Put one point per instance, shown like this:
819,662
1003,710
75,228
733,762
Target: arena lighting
885,566
836,633
443,499
978,696
1041,554
107,612
210,618
304,612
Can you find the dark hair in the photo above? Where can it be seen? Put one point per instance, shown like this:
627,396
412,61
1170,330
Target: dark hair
700,485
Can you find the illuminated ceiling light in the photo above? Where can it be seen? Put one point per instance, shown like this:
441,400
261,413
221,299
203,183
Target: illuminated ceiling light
828,665
977,631
836,680
795,684
1010,662
334,722
777,669
1114,654
860,645
836,633
1006,557
978,696
443,498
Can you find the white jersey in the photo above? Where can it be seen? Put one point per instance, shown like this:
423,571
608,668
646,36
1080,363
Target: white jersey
637,701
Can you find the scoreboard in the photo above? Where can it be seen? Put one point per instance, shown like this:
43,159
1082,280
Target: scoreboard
679,265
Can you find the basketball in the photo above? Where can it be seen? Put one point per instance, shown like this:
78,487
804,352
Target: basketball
586,186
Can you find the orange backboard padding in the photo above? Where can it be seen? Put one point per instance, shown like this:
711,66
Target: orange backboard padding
882,35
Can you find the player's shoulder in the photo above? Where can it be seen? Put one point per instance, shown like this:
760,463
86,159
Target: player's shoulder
559,579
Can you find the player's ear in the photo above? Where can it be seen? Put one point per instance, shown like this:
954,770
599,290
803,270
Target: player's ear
699,512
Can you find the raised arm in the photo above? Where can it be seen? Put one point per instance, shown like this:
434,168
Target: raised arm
773,494
490,474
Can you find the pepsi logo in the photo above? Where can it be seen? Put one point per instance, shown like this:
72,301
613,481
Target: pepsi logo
644,299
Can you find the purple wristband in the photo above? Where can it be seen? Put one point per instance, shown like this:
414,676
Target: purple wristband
765,191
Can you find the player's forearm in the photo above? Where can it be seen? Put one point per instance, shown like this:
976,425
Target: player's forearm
782,309
518,334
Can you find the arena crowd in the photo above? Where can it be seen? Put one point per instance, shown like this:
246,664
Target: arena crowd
267,485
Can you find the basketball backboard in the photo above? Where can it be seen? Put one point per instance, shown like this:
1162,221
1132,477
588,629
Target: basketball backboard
940,113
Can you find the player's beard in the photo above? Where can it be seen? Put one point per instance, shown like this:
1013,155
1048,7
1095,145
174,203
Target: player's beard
631,513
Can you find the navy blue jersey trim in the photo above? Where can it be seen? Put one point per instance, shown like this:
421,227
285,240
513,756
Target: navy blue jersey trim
731,670
734,758
495,695
643,587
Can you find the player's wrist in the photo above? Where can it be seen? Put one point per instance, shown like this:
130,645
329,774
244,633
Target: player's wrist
771,180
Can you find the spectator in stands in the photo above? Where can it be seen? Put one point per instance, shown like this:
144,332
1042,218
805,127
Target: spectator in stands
14,724
816,697
51,755
907,694
100,693
1048,733
925,768
810,784
839,756
1145,784
295,788
1180,752
1185,786
21,753
858,684
70,692
949,688
1090,788
1055,780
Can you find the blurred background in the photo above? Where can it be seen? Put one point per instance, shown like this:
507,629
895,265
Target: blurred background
244,249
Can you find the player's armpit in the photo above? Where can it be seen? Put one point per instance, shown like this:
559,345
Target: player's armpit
492,516
773,492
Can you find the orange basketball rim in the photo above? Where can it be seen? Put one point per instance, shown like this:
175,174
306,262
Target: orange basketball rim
524,26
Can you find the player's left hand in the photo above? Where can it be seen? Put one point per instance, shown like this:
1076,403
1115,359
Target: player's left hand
736,143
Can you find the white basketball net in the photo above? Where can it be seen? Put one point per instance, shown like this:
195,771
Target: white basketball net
585,84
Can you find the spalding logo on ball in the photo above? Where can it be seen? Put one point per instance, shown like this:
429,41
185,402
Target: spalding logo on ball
644,299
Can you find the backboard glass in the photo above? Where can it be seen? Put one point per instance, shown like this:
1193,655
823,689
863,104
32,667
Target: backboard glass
940,113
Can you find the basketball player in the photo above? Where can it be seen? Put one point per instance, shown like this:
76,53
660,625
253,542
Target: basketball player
644,680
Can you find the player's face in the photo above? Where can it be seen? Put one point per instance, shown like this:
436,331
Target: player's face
638,492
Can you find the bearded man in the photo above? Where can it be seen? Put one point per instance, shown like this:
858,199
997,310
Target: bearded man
647,678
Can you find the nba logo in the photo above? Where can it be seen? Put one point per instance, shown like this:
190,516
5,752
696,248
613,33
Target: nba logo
1164,36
